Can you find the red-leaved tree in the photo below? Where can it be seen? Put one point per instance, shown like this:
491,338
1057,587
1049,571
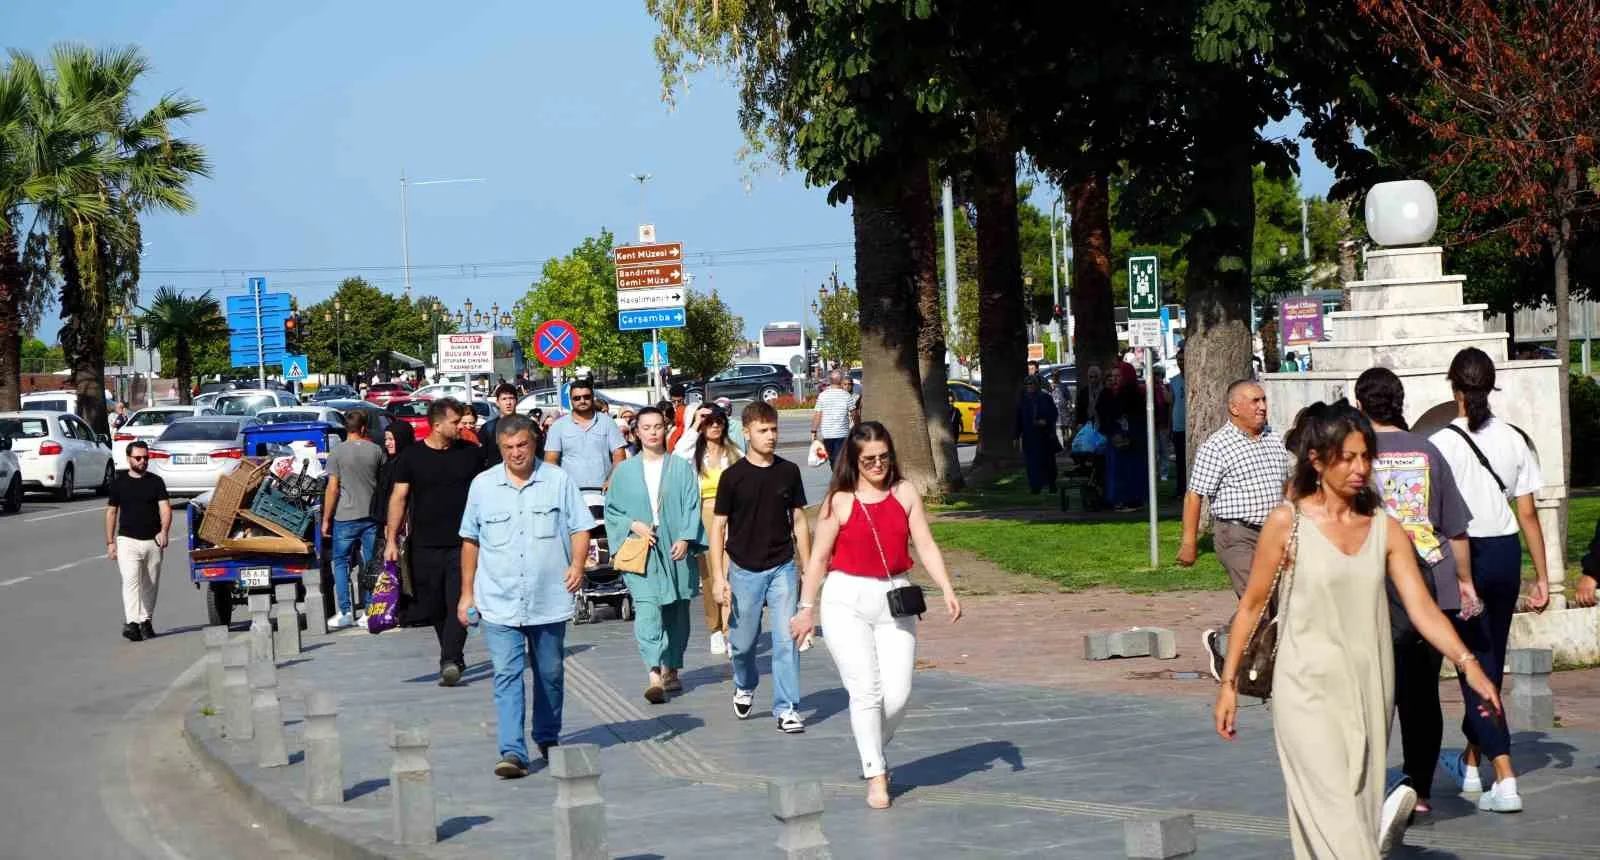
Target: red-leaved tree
1516,94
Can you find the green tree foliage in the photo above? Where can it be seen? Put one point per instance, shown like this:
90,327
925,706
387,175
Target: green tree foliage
712,333
40,357
182,325
581,288
840,313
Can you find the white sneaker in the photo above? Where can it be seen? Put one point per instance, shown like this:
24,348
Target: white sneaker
791,724
719,643
338,621
1496,799
1466,776
742,701
1397,809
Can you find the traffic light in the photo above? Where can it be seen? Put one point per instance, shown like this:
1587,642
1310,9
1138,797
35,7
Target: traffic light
291,332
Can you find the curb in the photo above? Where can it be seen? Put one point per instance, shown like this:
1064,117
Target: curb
309,828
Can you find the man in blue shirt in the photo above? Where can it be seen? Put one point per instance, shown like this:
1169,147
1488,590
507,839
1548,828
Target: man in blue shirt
525,539
585,444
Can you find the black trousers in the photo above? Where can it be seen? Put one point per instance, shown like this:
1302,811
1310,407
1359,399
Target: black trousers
1497,574
436,581
1416,700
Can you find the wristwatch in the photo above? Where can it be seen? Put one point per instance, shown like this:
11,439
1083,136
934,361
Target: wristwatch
804,605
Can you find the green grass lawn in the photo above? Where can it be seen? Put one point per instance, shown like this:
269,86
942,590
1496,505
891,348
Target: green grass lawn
1011,493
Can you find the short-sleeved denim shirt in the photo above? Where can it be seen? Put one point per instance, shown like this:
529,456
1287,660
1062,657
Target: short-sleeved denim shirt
524,544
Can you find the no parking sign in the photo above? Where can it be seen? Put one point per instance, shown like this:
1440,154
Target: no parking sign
556,343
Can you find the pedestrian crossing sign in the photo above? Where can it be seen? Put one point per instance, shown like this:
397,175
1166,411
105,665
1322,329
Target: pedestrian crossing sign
296,368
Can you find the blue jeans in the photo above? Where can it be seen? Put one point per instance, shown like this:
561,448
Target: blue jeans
508,650
345,534
779,589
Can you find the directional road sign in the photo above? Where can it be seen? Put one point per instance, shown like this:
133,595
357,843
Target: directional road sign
636,255
1144,286
646,320
296,367
660,297
653,275
556,343
656,357
246,305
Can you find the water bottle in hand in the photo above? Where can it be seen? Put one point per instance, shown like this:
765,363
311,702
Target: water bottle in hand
472,616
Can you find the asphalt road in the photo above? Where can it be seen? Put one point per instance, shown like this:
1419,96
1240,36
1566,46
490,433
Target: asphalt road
95,765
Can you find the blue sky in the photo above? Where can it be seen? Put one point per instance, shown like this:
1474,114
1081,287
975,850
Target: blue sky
314,110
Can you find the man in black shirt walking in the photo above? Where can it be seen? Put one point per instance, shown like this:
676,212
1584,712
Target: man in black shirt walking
138,518
760,510
439,471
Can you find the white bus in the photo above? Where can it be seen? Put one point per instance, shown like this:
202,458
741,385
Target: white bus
781,342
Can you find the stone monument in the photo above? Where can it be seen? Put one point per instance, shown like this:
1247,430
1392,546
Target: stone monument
1409,316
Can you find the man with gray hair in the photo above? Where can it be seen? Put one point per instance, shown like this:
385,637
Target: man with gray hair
831,417
1240,469
524,542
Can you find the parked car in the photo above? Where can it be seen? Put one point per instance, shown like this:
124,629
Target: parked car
58,452
968,405
547,399
208,400
253,401
441,389
144,426
10,477
300,415
192,453
744,382
413,411
335,391
54,401
382,392
377,419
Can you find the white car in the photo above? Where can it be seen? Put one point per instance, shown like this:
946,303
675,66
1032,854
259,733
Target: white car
301,415
440,390
10,477
547,399
58,452
54,401
250,401
144,426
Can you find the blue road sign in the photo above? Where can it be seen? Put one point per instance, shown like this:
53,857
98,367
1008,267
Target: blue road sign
247,357
246,305
296,367
646,320
566,397
271,338
658,358
255,285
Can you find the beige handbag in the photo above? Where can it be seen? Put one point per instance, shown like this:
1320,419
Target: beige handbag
632,556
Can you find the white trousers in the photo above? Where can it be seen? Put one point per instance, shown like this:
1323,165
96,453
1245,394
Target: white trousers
875,653
140,564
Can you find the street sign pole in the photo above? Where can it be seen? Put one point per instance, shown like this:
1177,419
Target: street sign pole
261,349
655,367
1144,302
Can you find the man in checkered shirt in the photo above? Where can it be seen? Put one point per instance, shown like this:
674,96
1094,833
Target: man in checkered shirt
1241,469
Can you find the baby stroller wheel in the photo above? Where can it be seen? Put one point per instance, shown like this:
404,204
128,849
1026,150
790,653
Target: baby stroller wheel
585,612
626,610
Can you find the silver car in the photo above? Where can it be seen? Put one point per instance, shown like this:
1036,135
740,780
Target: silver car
144,426
192,453
300,415
252,401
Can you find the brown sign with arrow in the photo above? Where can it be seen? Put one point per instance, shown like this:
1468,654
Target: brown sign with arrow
650,276
639,255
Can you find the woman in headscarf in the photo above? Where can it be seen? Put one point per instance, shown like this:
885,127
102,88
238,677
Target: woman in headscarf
1036,422
1120,417
396,439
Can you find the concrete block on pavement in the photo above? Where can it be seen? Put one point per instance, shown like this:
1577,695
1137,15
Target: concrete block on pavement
216,638
1159,838
1155,642
316,620
266,715
324,756
1530,661
580,810
798,807
286,637
1530,703
260,627
1164,644
236,724
415,820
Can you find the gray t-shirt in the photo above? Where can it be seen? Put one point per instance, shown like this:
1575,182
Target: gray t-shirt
1418,488
355,464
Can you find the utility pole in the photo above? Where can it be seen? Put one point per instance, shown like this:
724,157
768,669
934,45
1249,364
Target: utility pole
405,231
947,201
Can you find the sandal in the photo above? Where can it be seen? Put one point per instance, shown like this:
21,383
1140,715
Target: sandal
655,694
672,683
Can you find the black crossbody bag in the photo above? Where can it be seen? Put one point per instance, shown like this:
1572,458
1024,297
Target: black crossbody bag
1484,461
907,599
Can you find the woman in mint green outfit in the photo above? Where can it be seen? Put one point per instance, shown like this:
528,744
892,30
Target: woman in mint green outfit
657,497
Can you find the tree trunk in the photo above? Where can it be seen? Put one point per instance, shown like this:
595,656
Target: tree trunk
1092,302
917,199
1563,273
1217,348
83,314
185,370
887,290
1270,357
12,283
1002,339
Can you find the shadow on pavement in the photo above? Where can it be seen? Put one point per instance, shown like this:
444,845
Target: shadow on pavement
460,824
825,703
952,765
366,787
663,728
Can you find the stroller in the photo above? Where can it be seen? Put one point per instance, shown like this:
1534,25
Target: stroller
1087,474
601,584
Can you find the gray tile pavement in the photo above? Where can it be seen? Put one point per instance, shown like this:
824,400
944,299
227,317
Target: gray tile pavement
980,769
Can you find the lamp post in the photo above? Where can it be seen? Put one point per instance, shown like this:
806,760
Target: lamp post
127,333
405,218
337,318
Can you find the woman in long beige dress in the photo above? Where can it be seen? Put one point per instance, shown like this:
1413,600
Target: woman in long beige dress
1333,681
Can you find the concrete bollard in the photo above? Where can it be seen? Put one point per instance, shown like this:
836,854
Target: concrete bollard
316,619
236,723
1530,704
411,788
580,811
798,806
1159,838
324,758
260,628
286,639
1155,642
216,637
266,715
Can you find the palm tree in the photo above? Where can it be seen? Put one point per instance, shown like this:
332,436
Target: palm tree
94,166
12,277
182,324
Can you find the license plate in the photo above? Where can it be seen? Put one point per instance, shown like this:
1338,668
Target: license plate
190,459
256,577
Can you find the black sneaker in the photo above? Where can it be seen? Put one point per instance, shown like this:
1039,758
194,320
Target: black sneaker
132,633
511,766
147,629
742,700
791,724
1211,640
449,675
544,749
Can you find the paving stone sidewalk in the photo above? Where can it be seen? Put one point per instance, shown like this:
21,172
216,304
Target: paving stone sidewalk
981,767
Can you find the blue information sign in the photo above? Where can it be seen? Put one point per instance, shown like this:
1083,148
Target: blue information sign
657,358
649,319
296,367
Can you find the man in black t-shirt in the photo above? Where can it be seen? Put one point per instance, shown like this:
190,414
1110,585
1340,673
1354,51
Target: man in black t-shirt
438,472
138,518
760,519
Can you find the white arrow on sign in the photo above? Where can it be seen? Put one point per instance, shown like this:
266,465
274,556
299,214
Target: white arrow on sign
659,297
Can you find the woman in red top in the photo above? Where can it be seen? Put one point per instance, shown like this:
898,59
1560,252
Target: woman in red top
868,520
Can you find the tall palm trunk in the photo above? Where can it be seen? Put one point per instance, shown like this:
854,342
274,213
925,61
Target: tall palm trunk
83,313
887,283
12,284
917,199
185,370
1092,301
1002,338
